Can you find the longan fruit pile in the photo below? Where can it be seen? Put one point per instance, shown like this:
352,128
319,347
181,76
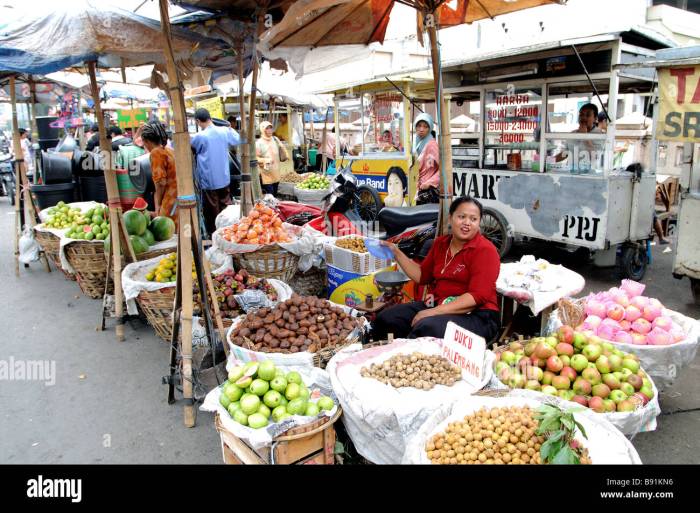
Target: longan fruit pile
489,436
416,370
355,244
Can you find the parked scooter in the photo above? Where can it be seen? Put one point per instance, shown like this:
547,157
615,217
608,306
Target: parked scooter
356,209
7,177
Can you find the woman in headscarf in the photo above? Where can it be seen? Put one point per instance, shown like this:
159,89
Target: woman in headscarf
426,147
162,159
268,149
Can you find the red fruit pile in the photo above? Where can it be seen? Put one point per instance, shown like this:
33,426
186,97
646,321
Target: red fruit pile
262,226
229,283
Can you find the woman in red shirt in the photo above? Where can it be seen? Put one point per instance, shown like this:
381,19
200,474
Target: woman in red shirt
460,271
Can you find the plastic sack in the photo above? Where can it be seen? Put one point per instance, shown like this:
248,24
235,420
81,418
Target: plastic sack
537,284
664,363
228,216
299,360
314,378
605,444
28,247
381,419
630,423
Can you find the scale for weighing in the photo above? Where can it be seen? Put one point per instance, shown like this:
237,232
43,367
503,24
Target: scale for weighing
390,284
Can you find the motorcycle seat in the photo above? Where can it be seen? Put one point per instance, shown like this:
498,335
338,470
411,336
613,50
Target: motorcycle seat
397,219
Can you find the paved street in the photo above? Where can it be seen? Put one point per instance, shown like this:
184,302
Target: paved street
108,404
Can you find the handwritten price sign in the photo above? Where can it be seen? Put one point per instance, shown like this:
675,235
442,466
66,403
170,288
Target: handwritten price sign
466,350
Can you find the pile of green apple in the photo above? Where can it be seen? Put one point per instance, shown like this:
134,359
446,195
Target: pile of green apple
258,391
578,368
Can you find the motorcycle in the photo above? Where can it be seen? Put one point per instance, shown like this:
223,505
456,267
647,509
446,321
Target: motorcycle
7,178
352,209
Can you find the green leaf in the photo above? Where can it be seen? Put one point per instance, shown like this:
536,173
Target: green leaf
552,446
566,457
580,427
339,448
568,422
548,424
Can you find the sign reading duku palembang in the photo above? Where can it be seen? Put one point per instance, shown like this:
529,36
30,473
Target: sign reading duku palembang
679,104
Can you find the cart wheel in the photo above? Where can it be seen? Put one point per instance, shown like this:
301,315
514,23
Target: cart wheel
633,261
367,203
695,290
495,228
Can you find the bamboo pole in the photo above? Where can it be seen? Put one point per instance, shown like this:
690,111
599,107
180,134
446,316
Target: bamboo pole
187,215
246,185
35,127
19,170
117,230
445,136
254,172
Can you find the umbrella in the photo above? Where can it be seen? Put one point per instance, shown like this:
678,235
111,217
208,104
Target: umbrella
314,23
86,31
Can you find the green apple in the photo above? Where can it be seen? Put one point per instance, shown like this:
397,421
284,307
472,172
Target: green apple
259,387
250,403
279,384
240,417
294,377
278,412
272,399
632,365
257,420
267,370
292,391
264,410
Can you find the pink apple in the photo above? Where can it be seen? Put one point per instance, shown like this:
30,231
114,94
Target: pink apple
663,323
615,312
554,364
640,302
642,326
606,332
622,300
632,288
592,322
569,372
638,339
632,313
677,332
659,337
595,308
623,337
651,312
625,325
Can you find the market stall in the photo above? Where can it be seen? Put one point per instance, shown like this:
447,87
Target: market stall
530,160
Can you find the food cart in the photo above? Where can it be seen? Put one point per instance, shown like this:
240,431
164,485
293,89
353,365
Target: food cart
678,119
363,115
542,178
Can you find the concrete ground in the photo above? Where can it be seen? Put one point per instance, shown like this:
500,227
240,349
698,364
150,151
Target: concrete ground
108,404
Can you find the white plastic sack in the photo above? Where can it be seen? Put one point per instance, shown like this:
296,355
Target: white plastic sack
537,284
28,247
134,281
228,216
314,378
664,363
286,188
379,418
605,444
311,196
630,423
217,257
299,360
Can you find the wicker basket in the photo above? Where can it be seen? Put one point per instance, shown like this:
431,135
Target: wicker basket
157,306
269,262
88,260
310,283
323,356
51,244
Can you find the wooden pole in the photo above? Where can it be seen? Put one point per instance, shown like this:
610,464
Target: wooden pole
246,185
445,137
19,170
118,235
254,172
187,214
35,127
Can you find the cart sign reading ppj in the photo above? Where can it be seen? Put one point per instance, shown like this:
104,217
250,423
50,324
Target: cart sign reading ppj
679,113
467,350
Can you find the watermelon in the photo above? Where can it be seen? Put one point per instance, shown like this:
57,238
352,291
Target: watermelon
162,228
148,237
139,244
135,222
140,204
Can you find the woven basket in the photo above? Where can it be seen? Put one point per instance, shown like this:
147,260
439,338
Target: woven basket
50,243
88,260
269,262
310,283
157,306
323,356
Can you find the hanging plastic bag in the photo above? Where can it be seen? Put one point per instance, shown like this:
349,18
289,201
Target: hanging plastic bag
28,247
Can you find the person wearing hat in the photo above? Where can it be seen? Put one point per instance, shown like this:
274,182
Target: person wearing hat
270,153
428,153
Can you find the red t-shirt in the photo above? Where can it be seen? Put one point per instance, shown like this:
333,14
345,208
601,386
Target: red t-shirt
474,269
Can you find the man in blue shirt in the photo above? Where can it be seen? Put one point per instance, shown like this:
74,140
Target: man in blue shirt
211,147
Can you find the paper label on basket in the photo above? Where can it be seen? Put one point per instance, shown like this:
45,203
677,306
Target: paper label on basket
251,300
377,250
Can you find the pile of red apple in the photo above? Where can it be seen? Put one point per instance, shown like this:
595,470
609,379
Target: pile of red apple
622,314
576,367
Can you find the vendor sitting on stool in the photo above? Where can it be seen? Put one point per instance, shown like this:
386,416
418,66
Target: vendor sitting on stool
461,272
